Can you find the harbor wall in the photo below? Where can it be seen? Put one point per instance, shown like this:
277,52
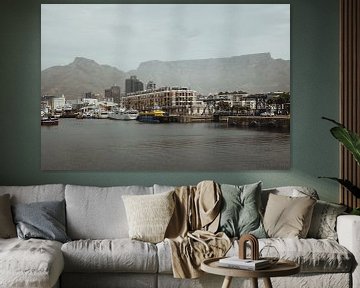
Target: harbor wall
258,121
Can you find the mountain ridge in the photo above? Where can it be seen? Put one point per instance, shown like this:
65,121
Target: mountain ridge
254,73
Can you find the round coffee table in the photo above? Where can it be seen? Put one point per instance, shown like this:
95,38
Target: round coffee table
281,268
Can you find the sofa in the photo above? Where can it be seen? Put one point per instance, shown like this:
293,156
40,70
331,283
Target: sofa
99,252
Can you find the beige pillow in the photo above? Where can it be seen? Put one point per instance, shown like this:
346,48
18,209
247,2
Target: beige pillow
149,215
288,217
7,226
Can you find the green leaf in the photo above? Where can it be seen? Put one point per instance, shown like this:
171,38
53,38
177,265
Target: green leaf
355,211
333,121
348,185
348,138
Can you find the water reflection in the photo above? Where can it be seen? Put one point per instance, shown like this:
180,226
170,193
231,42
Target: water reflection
132,146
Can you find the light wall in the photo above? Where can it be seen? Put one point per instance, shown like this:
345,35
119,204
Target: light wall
314,88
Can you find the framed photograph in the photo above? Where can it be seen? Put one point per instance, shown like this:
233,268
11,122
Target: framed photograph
165,87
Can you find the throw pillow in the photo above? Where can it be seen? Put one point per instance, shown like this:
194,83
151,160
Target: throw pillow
7,226
287,217
149,215
240,213
44,220
323,222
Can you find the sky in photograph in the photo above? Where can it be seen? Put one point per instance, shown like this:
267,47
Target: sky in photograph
124,35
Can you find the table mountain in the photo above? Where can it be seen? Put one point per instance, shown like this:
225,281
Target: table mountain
254,73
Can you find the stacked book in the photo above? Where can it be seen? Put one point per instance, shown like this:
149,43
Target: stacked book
248,264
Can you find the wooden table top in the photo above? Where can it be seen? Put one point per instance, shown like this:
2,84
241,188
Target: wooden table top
281,268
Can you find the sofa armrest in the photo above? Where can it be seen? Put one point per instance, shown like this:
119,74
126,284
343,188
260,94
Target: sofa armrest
348,230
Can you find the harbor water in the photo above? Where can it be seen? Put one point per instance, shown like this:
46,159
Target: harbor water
111,145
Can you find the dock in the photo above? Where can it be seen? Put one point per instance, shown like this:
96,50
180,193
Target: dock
191,118
257,121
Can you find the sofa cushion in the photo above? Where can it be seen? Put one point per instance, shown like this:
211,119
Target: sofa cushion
291,191
30,263
164,257
149,215
43,220
323,222
7,226
287,216
117,255
313,255
240,210
98,213
35,193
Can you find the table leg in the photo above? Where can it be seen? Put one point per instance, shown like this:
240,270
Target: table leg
267,283
254,282
227,282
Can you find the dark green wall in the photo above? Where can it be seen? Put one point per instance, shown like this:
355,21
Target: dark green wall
314,84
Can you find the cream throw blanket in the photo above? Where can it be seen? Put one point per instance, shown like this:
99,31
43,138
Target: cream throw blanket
191,231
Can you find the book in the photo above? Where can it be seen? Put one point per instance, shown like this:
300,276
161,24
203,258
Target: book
249,264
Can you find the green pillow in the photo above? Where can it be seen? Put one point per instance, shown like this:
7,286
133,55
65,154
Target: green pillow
240,212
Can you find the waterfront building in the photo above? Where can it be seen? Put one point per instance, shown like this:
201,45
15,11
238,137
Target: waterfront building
92,95
174,100
53,102
90,101
151,85
239,102
58,102
89,95
279,102
133,84
113,93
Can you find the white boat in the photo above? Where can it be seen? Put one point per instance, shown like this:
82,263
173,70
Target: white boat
102,114
124,115
58,111
67,108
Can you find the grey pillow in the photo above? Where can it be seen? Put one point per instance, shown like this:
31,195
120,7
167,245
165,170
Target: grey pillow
7,226
323,222
44,220
240,213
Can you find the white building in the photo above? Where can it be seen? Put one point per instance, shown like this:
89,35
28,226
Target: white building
174,100
90,101
58,103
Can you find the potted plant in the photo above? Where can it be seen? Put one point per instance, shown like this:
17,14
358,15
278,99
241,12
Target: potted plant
351,141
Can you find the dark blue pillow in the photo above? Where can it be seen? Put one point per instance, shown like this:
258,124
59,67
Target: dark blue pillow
43,220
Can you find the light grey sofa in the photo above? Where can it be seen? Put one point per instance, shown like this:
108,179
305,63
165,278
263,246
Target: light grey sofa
101,254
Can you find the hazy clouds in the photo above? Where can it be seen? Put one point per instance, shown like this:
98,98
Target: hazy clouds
124,35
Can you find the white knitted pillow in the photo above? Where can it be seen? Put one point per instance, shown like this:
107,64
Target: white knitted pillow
149,215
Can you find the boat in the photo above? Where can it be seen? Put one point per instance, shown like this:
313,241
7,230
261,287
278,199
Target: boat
68,112
49,121
153,116
85,115
102,114
124,115
58,112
